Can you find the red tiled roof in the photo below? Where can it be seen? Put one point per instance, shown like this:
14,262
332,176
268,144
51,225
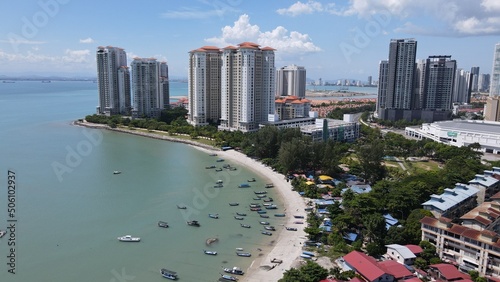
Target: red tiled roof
364,265
395,269
415,249
230,47
496,196
414,279
356,279
267,48
449,271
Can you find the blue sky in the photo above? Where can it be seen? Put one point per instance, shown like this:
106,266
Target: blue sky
331,39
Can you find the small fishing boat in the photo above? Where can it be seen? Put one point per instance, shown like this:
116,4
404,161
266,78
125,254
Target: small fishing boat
256,199
220,160
117,172
243,254
162,224
234,270
218,169
261,212
298,216
269,185
181,207
129,238
245,225
291,228
266,233
244,185
270,228
193,223
213,215
255,209
213,154
259,192
210,166
226,277
264,216
218,186
234,204
239,249
264,222
279,215
239,217
212,253
172,275
241,214
271,207
268,199
251,180
308,253
254,205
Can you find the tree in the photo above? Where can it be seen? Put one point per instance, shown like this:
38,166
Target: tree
313,271
370,158
374,224
292,275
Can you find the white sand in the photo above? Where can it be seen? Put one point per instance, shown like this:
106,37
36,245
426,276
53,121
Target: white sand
288,244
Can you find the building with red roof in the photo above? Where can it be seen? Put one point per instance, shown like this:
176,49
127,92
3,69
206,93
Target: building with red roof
292,107
446,272
399,271
367,267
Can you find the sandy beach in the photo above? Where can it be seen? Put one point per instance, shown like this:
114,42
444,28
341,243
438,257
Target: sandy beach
287,244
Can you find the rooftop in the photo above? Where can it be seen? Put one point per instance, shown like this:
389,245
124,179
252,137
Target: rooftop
451,197
404,251
365,265
449,271
469,126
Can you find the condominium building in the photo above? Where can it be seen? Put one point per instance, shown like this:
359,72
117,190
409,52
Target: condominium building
437,83
463,87
291,107
150,87
248,78
291,81
484,82
453,202
472,245
492,108
495,73
204,85
113,81
475,78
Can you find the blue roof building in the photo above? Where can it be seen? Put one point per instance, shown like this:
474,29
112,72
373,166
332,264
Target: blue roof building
453,202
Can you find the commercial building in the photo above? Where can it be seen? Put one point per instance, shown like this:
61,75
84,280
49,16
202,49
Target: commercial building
492,108
113,81
150,87
291,81
338,130
248,79
204,85
495,73
461,133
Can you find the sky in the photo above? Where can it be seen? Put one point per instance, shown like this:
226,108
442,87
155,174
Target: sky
343,39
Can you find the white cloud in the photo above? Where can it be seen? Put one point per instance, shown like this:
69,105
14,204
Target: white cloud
69,56
300,8
76,56
188,13
87,40
19,41
491,5
279,38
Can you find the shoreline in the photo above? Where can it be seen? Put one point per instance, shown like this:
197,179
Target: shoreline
287,244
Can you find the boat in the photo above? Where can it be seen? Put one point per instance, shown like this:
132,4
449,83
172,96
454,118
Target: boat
291,228
254,205
244,185
266,233
255,209
212,253
260,192
172,275
226,166
213,215
193,223
279,215
228,277
181,207
261,212
305,256
213,155
244,254
234,204
46,81
272,207
264,222
264,216
241,214
245,225
218,169
308,253
251,180
218,185
2,233
239,249
129,238
298,222
219,182
308,209
232,168
239,217
269,185
162,224
261,196
220,160
234,270
268,199
117,172
209,241
275,260
270,228
209,167
257,199
298,216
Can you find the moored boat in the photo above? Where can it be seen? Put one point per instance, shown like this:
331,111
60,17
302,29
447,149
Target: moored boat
213,215
234,270
244,185
269,185
226,277
220,160
245,225
244,254
255,209
212,253
264,222
261,212
234,204
298,216
270,228
218,169
193,223
279,215
172,275
117,172
271,207
181,207
129,238
238,217
268,199
291,228
162,224
308,253
210,166
213,154
266,233
241,214
260,192
264,216
251,180
218,185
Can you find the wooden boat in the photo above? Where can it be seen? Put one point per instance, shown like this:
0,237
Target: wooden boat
298,216
251,180
218,169
209,241
218,185
271,207
255,209
162,224
268,199
264,216
279,215
291,228
226,277
172,275
261,196
241,214
266,233
256,199
264,222
269,185
213,215
254,205
244,185
234,204
270,228
261,212
234,270
220,160
243,254
245,225
239,217
193,223
117,172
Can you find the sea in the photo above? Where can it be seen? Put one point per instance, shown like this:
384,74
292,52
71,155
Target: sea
64,207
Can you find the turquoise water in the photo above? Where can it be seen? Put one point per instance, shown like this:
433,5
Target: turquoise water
71,208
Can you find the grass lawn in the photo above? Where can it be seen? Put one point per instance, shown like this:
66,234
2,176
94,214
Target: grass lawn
426,166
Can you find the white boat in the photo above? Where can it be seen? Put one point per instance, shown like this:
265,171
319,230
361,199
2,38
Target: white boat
129,238
172,275
212,253
117,172
234,270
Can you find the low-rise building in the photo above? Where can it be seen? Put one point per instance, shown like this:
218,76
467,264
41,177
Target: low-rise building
401,254
453,202
291,107
367,267
338,130
447,272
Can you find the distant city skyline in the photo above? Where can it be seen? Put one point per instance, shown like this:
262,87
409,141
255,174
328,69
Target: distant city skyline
332,40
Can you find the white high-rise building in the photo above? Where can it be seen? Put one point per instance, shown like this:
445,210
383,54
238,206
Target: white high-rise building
113,81
495,73
150,87
463,87
204,85
248,77
291,81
